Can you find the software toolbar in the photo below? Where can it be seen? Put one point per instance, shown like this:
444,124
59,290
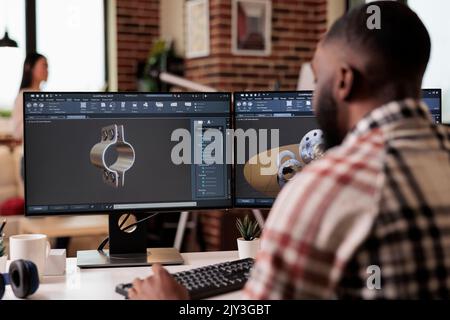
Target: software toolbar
61,105
272,103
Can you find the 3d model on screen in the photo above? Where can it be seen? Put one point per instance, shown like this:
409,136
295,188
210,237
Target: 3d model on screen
113,137
287,169
312,146
291,159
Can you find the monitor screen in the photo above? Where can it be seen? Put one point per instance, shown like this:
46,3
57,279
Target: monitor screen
291,113
299,143
108,152
433,99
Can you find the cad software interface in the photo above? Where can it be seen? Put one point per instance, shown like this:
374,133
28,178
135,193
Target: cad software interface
300,142
88,152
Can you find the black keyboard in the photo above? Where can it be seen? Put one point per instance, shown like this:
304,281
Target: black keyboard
209,281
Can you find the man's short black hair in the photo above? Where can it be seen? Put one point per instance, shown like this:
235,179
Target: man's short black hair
399,50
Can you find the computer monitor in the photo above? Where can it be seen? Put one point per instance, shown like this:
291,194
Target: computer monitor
117,153
300,142
433,99
299,139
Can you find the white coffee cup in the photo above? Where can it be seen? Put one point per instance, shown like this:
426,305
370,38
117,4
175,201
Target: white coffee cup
33,247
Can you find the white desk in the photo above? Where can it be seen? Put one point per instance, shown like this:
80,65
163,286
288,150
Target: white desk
99,284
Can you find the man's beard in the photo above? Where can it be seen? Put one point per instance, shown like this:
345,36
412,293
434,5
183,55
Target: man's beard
327,117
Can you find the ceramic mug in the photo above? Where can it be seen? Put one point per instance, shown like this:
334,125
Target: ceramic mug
33,247
3,260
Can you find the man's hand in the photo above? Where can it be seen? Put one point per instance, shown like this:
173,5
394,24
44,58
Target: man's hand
160,286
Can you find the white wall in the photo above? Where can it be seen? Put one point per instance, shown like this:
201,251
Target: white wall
335,9
172,23
435,15
113,74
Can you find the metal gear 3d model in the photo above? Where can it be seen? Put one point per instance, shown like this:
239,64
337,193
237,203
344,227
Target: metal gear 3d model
287,169
312,146
113,137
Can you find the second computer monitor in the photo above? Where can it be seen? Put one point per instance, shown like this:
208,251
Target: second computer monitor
300,142
433,99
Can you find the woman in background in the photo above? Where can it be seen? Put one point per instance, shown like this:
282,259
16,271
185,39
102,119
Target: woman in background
35,71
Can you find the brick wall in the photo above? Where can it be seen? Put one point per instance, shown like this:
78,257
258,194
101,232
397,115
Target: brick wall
296,28
137,28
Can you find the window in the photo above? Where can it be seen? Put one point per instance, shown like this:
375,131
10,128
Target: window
12,17
71,34
438,73
435,19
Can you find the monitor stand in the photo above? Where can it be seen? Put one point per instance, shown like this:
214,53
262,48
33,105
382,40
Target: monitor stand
128,249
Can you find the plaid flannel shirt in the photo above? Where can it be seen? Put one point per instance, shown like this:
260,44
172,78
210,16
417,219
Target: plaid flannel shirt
380,199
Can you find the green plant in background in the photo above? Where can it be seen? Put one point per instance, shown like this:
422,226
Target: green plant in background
5,113
249,229
158,51
157,62
161,58
2,247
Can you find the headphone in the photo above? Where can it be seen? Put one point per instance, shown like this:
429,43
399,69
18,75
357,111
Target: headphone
23,277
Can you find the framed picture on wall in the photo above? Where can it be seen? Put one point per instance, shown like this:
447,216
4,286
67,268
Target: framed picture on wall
197,29
251,27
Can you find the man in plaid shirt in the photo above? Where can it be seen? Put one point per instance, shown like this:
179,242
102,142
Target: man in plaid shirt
380,201
371,219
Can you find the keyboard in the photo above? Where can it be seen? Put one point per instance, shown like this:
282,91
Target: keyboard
210,280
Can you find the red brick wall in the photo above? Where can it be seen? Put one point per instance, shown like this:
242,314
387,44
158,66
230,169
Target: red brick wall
296,28
137,28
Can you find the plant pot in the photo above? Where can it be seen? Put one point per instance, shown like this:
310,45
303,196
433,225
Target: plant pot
3,260
248,249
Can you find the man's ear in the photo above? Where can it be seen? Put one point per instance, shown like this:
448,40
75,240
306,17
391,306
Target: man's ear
345,82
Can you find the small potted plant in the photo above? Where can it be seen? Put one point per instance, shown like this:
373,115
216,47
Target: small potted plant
248,244
3,256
